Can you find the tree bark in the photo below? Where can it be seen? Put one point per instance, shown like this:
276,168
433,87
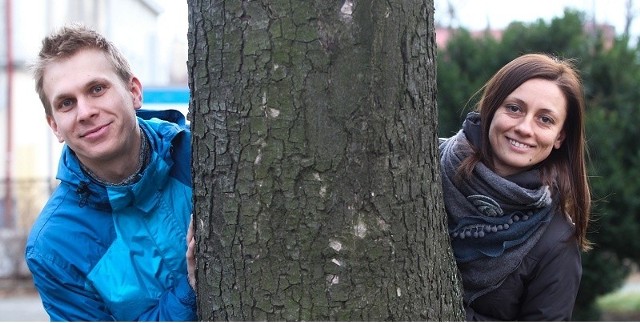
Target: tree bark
317,191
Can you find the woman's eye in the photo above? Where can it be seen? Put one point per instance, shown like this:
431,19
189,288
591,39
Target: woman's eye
98,89
512,108
546,120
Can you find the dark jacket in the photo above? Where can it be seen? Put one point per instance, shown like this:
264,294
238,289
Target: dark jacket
545,285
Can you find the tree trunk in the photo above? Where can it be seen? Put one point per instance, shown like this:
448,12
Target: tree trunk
317,190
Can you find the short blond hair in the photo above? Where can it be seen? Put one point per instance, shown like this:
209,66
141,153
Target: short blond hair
68,41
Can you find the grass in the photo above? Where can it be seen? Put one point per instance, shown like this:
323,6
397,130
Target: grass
621,304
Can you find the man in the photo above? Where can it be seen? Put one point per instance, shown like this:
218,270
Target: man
110,242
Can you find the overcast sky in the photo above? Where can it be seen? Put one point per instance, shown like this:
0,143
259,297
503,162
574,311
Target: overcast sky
475,14
471,14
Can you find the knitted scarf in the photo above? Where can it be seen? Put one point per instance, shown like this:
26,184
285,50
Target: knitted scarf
493,221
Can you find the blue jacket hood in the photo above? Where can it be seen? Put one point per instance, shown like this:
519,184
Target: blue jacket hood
160,135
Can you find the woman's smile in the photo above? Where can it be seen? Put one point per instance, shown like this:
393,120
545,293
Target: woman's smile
527,126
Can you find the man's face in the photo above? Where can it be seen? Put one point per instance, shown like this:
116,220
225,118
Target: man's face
93,111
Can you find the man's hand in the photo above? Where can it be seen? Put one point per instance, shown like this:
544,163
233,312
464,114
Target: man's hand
191,255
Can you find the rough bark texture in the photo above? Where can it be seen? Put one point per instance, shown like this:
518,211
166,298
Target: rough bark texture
316,181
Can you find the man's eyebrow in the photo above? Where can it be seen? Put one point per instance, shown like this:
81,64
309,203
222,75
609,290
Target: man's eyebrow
60,97
96,80
87,86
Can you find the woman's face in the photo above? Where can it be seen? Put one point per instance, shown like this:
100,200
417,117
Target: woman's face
527,126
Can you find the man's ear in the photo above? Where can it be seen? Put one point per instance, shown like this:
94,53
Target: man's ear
54,126
135,87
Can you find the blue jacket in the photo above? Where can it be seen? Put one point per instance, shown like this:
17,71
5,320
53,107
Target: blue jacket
103,253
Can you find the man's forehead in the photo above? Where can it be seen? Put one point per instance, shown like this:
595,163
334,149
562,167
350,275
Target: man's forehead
80,67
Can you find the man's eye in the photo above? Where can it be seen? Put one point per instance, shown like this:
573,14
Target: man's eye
66,103
98,89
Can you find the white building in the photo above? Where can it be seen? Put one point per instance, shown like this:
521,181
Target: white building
28,150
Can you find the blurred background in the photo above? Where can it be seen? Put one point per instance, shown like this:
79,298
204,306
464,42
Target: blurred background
152,34
474,39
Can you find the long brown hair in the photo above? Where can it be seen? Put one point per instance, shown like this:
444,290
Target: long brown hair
565,168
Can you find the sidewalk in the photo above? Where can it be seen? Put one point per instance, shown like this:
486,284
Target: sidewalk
19,302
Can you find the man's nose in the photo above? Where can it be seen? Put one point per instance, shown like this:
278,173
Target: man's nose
86,109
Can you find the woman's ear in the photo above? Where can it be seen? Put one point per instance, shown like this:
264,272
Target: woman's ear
558,143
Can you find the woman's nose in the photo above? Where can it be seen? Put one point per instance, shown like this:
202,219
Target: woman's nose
525,126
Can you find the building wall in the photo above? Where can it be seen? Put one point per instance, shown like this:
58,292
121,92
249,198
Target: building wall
131,24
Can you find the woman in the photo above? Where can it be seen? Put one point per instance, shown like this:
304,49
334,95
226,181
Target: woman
516,193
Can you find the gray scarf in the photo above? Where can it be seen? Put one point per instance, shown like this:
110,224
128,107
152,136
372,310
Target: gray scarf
493,221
